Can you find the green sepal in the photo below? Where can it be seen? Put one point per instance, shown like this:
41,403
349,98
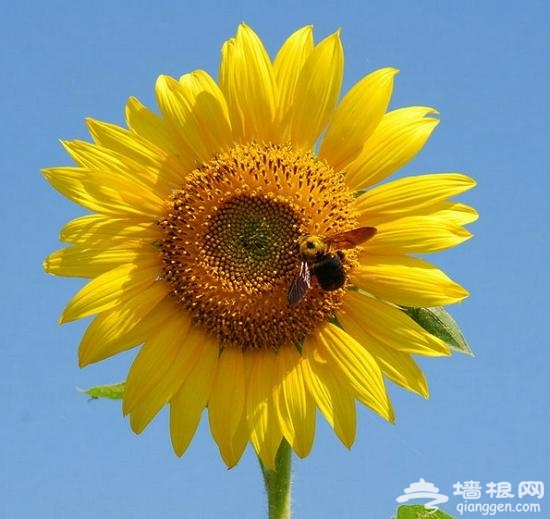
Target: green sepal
437,321
111,391
420,512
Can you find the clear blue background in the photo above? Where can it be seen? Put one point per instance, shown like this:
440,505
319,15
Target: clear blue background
483,64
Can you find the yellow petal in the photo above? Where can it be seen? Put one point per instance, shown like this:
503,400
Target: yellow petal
94,229
294,405
331,396
126,325
210,109
247,81
406,281
155,362
155,130
158,132
288,66
196,112
130,145
367,319
137,175
355,367
226,403
176,113
317,92
389,334
400,368
104,193
188,403
106,290
398,138
265,433
238,443
86,262
460,214
416,234
356,118
409,196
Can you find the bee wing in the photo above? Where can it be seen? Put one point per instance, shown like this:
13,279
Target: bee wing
350,239
300,285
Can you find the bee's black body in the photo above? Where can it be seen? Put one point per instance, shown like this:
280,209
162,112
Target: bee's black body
329,271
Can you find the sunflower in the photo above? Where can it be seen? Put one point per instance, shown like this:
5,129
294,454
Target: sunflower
198,219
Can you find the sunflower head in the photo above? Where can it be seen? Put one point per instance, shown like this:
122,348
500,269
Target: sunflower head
259,266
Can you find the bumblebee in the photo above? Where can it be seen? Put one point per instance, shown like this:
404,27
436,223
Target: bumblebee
322,257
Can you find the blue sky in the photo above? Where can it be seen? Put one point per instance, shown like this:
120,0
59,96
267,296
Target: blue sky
483,65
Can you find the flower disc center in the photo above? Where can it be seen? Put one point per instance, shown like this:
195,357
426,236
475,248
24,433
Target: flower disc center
250,241
231,253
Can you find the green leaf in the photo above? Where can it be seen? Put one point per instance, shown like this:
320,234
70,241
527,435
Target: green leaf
112,391
438,322
420,512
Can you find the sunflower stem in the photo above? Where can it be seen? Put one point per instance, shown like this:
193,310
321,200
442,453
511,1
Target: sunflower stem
277,483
